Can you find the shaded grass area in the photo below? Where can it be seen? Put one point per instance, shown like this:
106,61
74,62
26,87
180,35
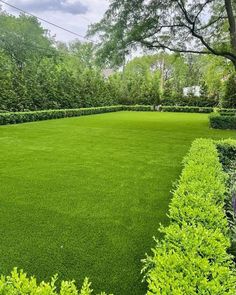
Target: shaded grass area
84,196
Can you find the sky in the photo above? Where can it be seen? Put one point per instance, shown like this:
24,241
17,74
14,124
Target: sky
74,15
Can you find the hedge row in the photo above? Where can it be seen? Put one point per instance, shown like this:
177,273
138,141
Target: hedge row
192,257
219,121
227,152
226,111
21,117
19,283
138,108
186,109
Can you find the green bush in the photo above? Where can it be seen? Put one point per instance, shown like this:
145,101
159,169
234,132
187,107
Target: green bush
227,152
18,283
186,109
229,98
141,108
192,257
219,121
21,117
226,111
192,100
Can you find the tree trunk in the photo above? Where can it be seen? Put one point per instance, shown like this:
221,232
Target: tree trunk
232,23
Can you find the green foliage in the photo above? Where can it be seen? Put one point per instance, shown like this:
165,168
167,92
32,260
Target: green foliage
19,283
179,26
227,153
186,109
229,98
21,117
225,121
141,108
192,258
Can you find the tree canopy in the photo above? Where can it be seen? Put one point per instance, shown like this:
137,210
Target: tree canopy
206,27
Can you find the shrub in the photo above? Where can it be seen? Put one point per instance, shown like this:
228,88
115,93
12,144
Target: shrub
226,111
192,257
141,108
193,101
219,121
227,152
186,109
21,117
18,283
229,99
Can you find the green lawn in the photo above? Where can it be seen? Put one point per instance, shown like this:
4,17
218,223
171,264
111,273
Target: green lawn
84,196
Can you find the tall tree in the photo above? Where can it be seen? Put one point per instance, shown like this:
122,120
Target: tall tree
192,26
23,39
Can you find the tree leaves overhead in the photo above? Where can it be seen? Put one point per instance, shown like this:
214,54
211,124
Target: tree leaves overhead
197,26
24,39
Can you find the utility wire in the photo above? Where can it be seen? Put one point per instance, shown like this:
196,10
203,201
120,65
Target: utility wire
48,22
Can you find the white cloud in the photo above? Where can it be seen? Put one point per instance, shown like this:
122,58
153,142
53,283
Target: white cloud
72,7
87,12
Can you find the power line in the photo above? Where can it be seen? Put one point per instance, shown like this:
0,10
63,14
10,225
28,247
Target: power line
46,21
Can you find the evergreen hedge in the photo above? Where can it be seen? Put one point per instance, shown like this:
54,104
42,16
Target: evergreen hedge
222,121
186,109
21,117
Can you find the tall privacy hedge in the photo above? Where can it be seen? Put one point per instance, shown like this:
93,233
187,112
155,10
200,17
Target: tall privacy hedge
192,257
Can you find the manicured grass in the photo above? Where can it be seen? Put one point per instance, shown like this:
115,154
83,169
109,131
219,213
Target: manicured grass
84,196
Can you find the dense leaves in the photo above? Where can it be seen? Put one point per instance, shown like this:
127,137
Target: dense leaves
203,27
19,283
223,121
192,258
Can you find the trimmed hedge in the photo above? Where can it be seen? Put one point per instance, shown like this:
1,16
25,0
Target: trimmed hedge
21,117
186,109
138,108
227,152
219,121
192,257
224,111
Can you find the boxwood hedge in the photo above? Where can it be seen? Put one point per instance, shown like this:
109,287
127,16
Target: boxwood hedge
192,257
222,121
21,117
186,109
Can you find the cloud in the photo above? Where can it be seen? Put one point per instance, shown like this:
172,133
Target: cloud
72,7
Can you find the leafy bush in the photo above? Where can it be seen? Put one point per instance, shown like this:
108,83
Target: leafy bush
141,108
186,109
229,99
192,257
21,117
219,121
19,283
226,111
227,152
193,101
